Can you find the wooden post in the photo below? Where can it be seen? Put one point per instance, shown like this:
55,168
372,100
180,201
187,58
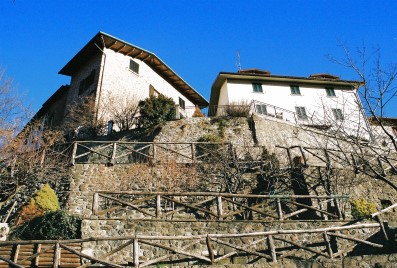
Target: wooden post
382,227
16,253
112,160
289,157
328,245
42,158
279,209
336,204
193,148
272,248
153,152
36,259
219,207
74,151
135,252
57,256
95,203
158,206
210,250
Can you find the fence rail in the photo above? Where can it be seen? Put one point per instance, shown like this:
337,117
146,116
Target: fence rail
217,206
144,250
144,152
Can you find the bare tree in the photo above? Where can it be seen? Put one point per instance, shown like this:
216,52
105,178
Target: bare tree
81,121
123,111
28,156
369,147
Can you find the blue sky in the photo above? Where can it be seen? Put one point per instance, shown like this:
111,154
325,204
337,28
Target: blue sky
197,39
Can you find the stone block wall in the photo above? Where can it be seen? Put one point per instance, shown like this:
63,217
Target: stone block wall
114,228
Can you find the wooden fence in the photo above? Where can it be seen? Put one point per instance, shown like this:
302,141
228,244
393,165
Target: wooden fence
144,152
145,250
217,206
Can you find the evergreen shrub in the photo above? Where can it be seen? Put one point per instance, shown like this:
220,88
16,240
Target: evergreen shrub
42,201
56,225
155,110
362,208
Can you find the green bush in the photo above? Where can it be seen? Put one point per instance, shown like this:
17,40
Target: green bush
55,225
46,199
42,201
155,110
362,208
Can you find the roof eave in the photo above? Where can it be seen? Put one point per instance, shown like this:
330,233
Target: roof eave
102,40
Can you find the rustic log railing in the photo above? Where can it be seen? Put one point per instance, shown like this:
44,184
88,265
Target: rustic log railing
216,206
143,152
144,250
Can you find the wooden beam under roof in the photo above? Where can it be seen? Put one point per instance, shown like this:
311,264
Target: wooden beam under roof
136,54
147,56
114,43
123,46
132,49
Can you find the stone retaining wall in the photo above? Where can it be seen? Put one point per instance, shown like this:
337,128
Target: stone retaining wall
113,228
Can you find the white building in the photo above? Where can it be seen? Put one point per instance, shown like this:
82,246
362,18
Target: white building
320,100
115,72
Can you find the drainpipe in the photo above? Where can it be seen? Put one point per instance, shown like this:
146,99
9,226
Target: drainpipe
364,115
100,85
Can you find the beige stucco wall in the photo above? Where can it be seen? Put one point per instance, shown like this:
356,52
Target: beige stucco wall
122,84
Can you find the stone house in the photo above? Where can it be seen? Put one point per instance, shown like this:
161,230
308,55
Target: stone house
115,72
318,100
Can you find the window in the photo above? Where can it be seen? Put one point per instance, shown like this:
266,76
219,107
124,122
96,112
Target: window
261,109
301,113
181,103
257,87
87,82
330,92
337,114
295,90
134,66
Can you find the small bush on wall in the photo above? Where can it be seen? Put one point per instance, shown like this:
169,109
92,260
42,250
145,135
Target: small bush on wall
55,225
362,208
197,112
238,109
155,110
42,201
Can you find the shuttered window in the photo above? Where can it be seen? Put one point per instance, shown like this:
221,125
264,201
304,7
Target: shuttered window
338,115
295,90
257,87
134,66
301,113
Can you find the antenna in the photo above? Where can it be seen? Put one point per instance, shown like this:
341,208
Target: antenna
238,63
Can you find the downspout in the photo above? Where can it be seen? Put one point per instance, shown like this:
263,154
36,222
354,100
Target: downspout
100,84
364,115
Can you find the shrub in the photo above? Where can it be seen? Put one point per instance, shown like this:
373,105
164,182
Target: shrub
362,208
55,225
46,199
29,212
240,109
197,112
42,201
155,110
